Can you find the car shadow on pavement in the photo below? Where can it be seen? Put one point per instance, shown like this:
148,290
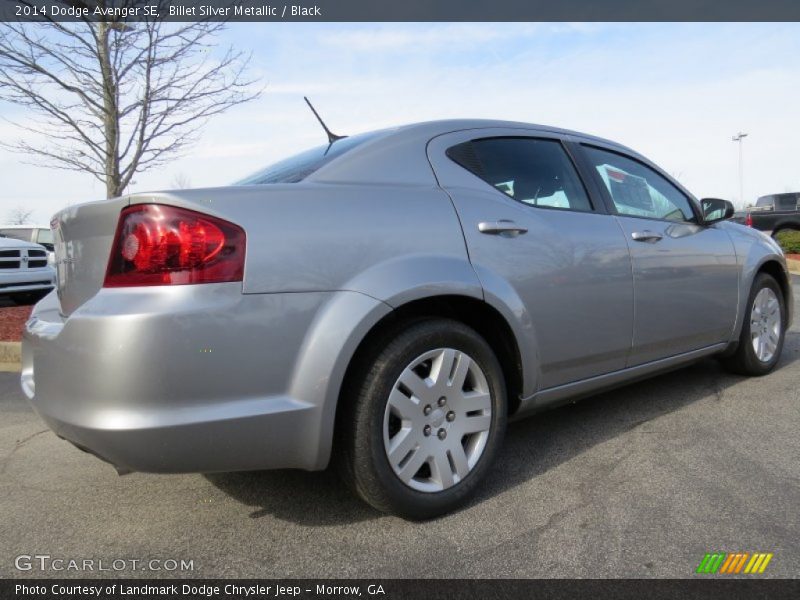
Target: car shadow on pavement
532,446
316,499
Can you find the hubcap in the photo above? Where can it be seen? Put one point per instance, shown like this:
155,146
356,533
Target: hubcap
437,420
765,324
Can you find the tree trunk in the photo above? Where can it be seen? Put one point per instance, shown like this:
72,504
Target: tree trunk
110,112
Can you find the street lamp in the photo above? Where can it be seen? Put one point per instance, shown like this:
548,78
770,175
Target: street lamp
739,137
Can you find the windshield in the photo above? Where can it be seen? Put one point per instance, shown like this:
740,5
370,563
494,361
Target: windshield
300,166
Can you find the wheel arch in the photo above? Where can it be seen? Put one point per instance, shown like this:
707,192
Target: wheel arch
774,268
486,320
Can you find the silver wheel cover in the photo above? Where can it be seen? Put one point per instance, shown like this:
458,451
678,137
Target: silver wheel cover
765,324
437,420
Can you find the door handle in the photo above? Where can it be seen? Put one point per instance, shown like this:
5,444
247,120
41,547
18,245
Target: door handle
502,227
646,236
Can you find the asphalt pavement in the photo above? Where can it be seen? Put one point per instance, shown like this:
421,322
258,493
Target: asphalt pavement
638,482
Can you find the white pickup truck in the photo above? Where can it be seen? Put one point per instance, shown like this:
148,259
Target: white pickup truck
25,274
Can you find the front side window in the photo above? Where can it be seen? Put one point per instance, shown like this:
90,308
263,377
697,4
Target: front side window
536,172
637,190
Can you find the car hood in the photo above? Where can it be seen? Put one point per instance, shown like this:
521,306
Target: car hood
14,243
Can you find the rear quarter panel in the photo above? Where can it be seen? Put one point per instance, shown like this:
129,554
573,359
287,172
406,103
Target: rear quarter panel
394,243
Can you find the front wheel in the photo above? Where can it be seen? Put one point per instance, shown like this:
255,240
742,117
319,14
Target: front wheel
763,330
425,420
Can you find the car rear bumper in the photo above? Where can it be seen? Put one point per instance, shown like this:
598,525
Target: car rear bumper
181,379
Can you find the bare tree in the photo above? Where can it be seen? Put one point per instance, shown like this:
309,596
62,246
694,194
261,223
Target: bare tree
114,98
19,216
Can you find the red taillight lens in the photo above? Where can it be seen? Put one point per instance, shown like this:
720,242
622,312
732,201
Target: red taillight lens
748,220
157,244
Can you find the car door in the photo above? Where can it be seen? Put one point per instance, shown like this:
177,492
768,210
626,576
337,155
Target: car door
685,273
535,238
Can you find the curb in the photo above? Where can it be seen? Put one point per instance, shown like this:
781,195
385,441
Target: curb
794,265
10,356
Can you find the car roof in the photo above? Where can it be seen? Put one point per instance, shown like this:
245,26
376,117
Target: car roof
393,155
439,127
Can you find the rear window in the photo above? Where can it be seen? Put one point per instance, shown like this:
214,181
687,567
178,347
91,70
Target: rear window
300,166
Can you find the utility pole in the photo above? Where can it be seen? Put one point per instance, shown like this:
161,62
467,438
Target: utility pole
739,137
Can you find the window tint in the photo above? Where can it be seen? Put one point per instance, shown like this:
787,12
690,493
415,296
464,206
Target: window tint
637,190
533,171
300,166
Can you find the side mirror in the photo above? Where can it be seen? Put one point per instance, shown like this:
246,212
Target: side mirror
715,210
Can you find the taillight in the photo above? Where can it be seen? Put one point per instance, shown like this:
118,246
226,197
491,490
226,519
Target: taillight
157,244
748,220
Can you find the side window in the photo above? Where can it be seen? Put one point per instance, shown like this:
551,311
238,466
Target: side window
786,202
765,201
536,172
638,190
44,236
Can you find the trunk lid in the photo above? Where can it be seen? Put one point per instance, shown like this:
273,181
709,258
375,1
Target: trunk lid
83,235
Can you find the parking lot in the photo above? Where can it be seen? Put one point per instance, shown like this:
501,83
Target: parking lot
638,482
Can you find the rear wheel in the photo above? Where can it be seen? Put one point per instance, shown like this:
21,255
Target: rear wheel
425,420
763,330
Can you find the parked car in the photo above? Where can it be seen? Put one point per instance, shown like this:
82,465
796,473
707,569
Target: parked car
389,300
772,214
38,234
25,275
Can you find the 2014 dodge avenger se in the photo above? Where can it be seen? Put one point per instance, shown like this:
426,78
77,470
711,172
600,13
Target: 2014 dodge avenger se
389,300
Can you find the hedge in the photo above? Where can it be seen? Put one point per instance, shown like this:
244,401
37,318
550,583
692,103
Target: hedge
789,241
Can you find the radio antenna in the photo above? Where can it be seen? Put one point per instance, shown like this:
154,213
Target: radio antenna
332,137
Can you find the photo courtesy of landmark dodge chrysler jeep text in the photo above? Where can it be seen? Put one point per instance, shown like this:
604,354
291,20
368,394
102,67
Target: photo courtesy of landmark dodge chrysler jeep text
388,301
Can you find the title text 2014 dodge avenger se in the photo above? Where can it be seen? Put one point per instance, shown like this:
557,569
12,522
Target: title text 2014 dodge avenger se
389,300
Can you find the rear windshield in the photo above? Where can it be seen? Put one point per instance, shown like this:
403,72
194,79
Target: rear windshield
300,166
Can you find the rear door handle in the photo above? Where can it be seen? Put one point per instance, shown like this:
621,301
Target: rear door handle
646,236
502,227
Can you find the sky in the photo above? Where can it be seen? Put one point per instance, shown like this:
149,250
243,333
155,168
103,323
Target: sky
676,93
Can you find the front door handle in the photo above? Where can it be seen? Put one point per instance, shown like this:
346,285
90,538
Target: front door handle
646,236
502,227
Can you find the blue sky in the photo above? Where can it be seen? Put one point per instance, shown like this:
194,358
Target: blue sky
675,92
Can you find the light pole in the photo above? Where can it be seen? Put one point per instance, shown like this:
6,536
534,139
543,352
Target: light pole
739,137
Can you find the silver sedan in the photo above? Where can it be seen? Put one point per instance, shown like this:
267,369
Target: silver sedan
389,301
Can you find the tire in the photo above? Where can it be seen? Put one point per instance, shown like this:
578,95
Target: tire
372,428
746,360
